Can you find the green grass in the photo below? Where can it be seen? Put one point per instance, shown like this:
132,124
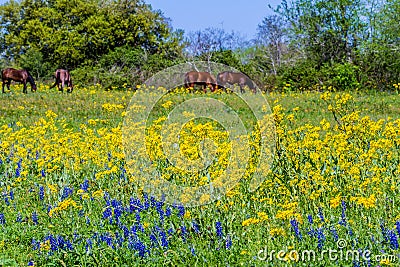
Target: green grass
203,247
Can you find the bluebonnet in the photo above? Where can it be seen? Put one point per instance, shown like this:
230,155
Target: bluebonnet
184,232
135,204
218,228
193,251
7,201
89,244
2,219
334,233
125,229
18,169
394,244
37,155
196,227
141,248
181,210
321,215
343,221
168,211
137,216
35,244
43,173
12,195
107,213
398,228
310,219
41,193
295,227
34,217
159,208
85,185
321,237
164,240
228,243
66,192
118,209
153,239
81,213
31,263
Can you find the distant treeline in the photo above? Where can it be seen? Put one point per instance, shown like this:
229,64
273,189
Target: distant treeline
306,44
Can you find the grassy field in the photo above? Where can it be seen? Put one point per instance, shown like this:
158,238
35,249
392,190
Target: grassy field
68,197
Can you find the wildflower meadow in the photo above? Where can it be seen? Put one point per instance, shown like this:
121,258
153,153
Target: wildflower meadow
69,197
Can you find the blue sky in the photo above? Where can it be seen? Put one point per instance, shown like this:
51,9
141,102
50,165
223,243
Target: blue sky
242,16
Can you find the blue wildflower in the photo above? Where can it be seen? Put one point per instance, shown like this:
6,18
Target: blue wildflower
295,227
2,219
66,192
7,201
12,195
344,220
321,215
168,211
41,193
398,228
321,237
153,239
34,217
141,248
184,232
43,173
164,239
181,210
85,185
228,242
334,233
31,263
218,227
394,244
310,219
196,227
107,213
35,244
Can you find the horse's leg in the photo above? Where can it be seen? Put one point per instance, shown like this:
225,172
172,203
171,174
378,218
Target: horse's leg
205,86
8,84
25,91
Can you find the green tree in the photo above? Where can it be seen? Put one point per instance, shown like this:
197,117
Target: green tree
79,33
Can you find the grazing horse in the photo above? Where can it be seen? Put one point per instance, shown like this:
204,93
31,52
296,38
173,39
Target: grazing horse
63,78
230,77
21,76
204,79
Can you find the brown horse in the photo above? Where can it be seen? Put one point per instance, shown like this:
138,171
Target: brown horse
21,76
204,79
63,78
230,77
